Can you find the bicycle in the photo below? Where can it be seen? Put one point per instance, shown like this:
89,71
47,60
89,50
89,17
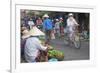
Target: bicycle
75,39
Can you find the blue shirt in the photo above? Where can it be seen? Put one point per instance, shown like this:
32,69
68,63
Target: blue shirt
47,24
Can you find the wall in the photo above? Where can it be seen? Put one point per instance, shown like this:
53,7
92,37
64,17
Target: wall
5,35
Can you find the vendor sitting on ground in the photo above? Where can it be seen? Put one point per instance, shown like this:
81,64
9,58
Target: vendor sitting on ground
32,45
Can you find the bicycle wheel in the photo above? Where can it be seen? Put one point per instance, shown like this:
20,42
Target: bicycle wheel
66,40
77,42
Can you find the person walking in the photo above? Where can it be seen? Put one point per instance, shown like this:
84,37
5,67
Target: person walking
39,23
47,26
31,23
57,28
61,27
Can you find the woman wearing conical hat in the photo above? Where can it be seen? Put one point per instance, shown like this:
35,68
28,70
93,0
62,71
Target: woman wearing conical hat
32,44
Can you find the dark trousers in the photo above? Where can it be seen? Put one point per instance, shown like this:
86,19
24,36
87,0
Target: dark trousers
48,35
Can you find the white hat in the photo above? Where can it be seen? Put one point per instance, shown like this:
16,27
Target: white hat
57,19
70,14
36,32
25,34
61,18
46,15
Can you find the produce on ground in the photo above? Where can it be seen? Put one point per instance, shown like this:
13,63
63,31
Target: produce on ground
56,54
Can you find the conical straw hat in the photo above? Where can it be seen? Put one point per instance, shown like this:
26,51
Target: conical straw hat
36,32
25,34
45,15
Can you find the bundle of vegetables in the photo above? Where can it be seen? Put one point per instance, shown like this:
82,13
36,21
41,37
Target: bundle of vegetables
56,54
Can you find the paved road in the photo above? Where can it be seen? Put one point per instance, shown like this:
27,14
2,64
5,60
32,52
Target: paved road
70,52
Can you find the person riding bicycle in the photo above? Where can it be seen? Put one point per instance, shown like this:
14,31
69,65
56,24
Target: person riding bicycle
71,25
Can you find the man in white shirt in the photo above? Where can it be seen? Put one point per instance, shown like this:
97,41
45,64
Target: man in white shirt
57,27
71,24
31,23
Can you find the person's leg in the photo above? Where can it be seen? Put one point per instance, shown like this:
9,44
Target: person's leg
56,32
59,32
71,36
38,58
62,31
47,36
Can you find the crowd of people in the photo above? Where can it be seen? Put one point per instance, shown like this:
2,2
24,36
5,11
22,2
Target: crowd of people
31,28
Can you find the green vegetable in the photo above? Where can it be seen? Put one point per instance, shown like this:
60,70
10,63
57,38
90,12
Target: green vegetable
56,54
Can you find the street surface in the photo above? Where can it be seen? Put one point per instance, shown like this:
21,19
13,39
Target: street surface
70,52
